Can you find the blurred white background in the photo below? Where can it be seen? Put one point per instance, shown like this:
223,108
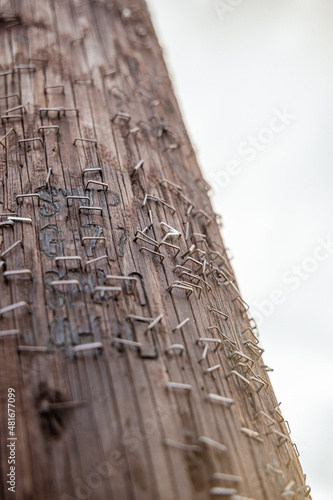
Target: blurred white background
234,68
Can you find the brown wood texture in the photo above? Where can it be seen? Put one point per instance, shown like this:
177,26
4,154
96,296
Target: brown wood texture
163,415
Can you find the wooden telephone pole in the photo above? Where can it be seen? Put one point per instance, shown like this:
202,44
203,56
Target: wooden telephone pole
130,367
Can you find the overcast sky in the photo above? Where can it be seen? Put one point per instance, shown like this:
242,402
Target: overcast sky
255,84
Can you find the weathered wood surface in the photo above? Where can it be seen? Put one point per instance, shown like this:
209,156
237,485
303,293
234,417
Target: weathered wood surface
124,434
